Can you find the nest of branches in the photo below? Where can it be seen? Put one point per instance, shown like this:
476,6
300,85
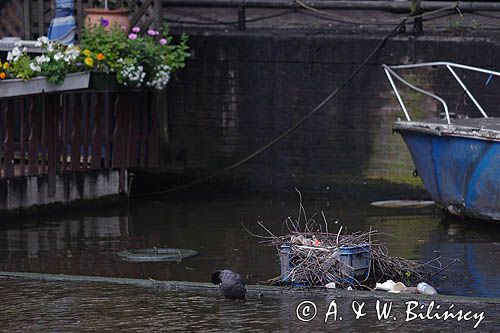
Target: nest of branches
311,255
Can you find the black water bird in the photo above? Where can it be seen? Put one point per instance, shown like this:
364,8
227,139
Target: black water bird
230,284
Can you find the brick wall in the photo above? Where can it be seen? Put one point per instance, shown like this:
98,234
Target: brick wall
242,89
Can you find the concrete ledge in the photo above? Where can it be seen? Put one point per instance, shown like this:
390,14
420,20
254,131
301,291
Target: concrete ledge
19,195
253,291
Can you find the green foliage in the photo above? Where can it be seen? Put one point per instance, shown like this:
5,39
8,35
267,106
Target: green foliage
177,54
20,69
111,43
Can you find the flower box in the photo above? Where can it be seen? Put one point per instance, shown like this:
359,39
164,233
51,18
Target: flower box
38,85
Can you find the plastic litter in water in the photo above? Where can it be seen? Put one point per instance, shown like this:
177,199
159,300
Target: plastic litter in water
331,285
426,289
156,254
402,203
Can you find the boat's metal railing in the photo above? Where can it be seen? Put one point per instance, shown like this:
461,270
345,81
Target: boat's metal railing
390,72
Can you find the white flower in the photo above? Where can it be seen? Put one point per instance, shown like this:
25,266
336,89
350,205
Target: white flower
14,55
35,68
42,41
42,59
16,52
58,56
18,44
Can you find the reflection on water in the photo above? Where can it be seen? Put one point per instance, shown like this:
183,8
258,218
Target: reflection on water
87,244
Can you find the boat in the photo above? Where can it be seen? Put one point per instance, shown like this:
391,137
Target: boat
458,160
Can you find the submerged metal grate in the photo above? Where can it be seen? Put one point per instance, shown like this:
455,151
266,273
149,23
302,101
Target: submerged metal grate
156,254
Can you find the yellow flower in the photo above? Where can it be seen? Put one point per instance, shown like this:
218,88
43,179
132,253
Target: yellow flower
2,76
100,56
6,65
87,52
89,62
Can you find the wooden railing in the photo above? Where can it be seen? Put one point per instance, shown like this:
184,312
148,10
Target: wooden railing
54,133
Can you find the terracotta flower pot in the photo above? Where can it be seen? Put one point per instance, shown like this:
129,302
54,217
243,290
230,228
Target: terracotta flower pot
107,17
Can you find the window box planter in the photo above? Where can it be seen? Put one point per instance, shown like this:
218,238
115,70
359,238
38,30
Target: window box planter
38,85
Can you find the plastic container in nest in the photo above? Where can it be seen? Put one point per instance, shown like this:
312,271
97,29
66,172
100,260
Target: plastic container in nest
357,260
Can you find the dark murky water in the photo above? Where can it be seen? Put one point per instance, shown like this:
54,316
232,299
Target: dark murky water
71,307
87,245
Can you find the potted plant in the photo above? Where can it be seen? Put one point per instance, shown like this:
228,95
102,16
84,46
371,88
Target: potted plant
109,13
142,59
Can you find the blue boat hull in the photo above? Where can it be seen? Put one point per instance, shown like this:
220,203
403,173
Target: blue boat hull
460,173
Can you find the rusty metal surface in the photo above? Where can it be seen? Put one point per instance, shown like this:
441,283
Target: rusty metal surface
475,128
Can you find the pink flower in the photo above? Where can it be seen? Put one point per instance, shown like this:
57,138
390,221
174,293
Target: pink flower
132,36
136,29
152,32
163,41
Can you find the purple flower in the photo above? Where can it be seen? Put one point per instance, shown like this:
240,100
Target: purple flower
152,32
136,29
104,22
132,36
163,41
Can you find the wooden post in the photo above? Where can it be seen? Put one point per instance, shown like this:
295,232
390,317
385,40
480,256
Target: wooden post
144,129
123,107
86,125
8,142
64,131
154,133
52,139
41,19
108,123
76,142
22,135
34,137
27,19
79,19
158,14
97,133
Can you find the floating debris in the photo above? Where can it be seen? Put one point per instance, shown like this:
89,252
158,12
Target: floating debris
156,254
403,203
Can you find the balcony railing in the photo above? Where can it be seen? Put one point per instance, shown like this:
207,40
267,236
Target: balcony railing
74,131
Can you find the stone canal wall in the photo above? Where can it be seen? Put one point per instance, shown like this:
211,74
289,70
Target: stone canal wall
29,195
242,89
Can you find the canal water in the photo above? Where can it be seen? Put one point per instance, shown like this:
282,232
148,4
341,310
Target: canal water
87,243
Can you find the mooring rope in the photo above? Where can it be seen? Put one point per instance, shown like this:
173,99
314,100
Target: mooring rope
299,123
